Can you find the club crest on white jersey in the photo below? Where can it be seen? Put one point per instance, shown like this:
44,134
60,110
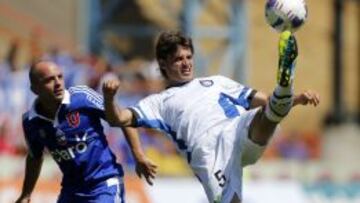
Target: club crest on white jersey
206,83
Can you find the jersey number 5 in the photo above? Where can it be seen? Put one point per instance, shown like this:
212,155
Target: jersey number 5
220,177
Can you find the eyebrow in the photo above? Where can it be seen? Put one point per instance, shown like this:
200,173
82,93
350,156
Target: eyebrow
49,77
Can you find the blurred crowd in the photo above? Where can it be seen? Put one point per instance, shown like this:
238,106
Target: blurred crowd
140,78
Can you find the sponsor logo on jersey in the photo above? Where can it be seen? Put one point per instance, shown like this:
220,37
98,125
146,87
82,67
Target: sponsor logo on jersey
73,119
70,153
206,83
60,137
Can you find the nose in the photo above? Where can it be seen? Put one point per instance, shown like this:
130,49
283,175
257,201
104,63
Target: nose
186,62
57,81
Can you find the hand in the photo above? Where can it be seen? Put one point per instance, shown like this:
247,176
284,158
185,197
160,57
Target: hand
110,88
307,97
146,168
23,200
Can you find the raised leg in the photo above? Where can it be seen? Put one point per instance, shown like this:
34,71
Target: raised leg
281,101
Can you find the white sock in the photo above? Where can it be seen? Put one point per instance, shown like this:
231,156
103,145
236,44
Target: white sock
284,91
280,103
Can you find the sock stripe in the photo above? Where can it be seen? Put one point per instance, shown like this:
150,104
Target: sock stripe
276,113
281,97
271,115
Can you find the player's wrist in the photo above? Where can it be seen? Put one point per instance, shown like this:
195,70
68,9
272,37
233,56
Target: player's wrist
139,156
109,99
298,100
108,95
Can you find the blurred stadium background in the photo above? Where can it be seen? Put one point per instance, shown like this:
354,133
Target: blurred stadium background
314,160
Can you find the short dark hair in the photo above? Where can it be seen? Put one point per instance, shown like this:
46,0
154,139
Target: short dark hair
167,44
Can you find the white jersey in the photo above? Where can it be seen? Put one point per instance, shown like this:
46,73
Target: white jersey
187,112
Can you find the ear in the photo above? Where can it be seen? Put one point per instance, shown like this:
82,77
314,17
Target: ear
162,67
162,64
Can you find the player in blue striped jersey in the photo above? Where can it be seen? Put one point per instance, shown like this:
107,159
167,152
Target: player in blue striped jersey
218,125
68,124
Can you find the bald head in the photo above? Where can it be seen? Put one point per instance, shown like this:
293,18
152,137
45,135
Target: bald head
47,81
38,69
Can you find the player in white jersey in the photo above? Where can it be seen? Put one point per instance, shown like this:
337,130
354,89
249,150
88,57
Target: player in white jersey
217,124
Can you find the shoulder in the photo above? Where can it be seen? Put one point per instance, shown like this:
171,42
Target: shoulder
28,123
83,90
84,95
222,78
156,98
227,82
25,117
152,103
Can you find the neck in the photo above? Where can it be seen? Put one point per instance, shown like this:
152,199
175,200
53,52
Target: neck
48,109
176,83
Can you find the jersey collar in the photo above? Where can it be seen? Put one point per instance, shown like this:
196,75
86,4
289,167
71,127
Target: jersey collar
33,113
178,84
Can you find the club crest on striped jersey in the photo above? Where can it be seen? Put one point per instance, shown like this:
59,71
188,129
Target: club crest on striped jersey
73,119
206,83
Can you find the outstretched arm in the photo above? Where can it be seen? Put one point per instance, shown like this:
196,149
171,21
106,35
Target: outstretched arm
32,171
124,118
144,166
304,98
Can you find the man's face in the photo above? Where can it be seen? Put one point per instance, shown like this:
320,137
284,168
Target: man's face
179,67
50,82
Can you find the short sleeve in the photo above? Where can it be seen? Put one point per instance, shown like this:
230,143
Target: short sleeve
147,113
88,98
242,95
35,147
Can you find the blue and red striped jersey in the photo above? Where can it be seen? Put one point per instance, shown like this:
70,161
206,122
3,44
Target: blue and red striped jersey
75,138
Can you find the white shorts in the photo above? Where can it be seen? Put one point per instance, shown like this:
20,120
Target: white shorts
217,160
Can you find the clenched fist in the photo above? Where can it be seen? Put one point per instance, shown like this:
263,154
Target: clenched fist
110,88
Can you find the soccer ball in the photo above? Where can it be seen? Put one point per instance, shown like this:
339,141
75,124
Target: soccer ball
285,14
